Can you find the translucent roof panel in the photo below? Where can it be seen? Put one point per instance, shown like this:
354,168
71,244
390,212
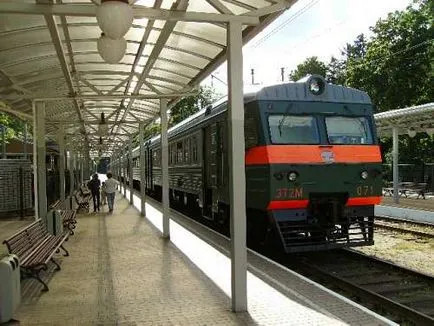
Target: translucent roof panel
50,50
420,118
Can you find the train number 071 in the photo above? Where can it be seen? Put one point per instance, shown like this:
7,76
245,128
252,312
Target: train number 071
365,190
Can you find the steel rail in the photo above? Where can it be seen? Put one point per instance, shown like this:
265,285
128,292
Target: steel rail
400,310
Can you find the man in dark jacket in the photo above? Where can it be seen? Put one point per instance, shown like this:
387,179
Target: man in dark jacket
93,186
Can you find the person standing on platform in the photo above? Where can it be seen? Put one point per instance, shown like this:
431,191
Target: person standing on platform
93,186
103,194
110,188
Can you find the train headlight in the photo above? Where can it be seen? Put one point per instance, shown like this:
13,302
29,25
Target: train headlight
292,176
316,86
364,175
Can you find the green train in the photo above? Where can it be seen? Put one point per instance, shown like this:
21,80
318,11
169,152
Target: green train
312,162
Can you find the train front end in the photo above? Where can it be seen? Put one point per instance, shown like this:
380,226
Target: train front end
322,163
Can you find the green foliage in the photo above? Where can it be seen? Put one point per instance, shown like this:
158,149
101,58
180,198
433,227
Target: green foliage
191,104
14,127
182,110
395,67
311,66
152,130
336,71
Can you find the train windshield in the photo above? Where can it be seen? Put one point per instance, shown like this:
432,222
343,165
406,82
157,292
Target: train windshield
348,130
293,129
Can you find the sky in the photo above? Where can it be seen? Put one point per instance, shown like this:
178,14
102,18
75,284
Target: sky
309,28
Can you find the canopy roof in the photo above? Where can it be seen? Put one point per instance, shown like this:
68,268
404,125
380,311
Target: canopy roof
418,118
48,49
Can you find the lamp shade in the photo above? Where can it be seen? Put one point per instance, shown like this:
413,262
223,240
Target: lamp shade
114,18
411,132
103,129
111,50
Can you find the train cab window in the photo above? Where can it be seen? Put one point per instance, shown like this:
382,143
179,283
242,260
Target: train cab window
348,130
250,131
194,149
292,129
179,153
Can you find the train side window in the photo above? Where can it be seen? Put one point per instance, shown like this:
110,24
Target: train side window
172,155
194,149
250,131
187,151
179,152
154,157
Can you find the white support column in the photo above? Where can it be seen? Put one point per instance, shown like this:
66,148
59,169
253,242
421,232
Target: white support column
39,166
86,162
61,142
130,168
237,178
25,141
142,168
81,168
124,169
71,171
165,168
395,159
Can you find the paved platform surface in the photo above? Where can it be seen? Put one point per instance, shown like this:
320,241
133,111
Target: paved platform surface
413,203
121,272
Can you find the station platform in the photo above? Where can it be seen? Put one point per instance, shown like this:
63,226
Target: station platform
122,272
418,210
413,203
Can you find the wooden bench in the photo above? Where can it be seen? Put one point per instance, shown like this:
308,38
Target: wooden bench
68,215
414,188
82,201
407,188
85,192
35,247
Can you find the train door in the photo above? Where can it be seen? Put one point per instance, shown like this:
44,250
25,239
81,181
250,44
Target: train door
212,167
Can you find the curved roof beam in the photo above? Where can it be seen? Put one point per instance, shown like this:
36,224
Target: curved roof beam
89,10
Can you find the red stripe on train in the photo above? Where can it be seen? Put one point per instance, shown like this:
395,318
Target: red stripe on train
303,203
363,201
279,154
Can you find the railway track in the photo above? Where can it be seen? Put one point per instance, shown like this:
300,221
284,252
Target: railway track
400,294
405,226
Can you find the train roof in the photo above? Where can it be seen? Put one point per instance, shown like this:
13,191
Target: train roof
299,91
292,91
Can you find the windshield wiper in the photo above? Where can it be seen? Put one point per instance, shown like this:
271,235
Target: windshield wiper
282,121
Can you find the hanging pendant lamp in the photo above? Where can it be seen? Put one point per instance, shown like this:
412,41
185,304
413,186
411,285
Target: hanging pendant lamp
112,51
114,17
102,127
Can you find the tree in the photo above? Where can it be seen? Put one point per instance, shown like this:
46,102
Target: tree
13,125
311,66
336,71
395,67
191,104
183,109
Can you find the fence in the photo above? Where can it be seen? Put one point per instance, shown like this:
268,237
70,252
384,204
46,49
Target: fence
412,173
15,187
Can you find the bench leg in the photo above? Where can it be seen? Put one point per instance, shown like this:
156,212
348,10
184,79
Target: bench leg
55,263
36,276
66,251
